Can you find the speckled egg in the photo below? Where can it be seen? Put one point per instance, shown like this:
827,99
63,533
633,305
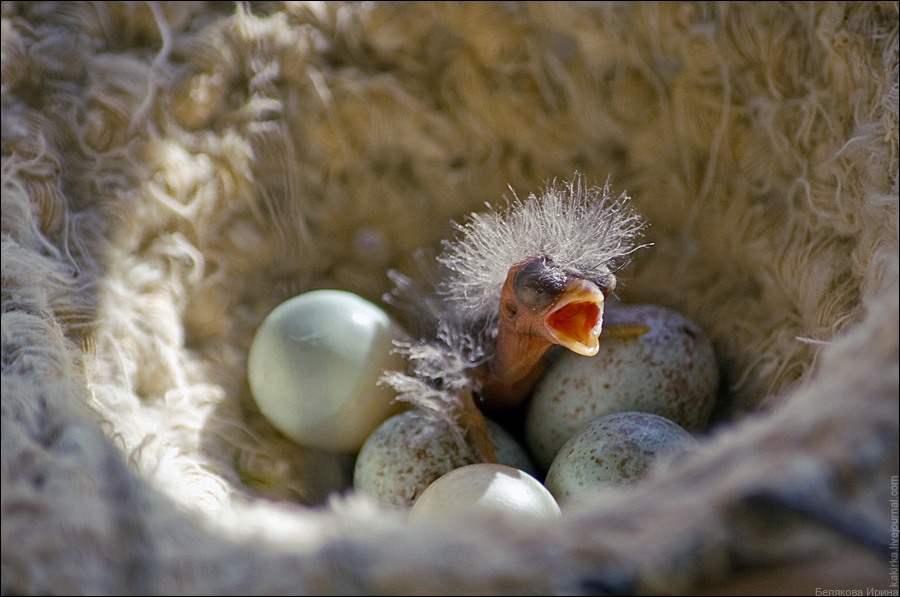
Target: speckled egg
488,488
614,450
670,370
409,451
314,365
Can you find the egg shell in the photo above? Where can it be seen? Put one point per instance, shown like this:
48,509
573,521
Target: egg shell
485,487
409,451
314,365
614,450
670,371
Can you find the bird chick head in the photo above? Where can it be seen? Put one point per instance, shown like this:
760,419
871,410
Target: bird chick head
541,299
571,236
535,275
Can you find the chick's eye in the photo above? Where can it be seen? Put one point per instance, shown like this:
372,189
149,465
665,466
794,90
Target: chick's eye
536,285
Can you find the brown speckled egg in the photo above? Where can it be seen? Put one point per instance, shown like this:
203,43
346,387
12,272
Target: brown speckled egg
671,370
614,450
409,451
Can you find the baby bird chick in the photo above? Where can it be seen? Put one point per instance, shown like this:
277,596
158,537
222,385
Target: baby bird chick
512,283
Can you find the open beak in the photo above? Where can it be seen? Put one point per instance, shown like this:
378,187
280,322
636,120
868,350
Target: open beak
575,320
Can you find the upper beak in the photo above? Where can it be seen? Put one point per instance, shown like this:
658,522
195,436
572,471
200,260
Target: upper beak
575,320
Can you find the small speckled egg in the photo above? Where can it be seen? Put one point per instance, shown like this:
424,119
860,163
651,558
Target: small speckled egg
407,452
485,487
314,366
671,370
614,450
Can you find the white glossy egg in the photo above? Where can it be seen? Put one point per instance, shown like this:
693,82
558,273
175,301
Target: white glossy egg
314,366
614,450
485,487
671,370
409,451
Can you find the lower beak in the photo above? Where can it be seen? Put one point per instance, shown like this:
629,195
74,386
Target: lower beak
575,320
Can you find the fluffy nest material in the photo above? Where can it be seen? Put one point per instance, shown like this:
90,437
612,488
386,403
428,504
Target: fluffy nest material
172,171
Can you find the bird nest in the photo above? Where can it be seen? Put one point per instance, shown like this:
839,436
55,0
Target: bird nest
173,171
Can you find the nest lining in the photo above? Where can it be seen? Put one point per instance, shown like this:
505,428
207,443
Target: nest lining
171,172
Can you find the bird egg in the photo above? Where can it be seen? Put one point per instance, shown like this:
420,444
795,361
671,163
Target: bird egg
615,450
410,450
314,365
485,487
